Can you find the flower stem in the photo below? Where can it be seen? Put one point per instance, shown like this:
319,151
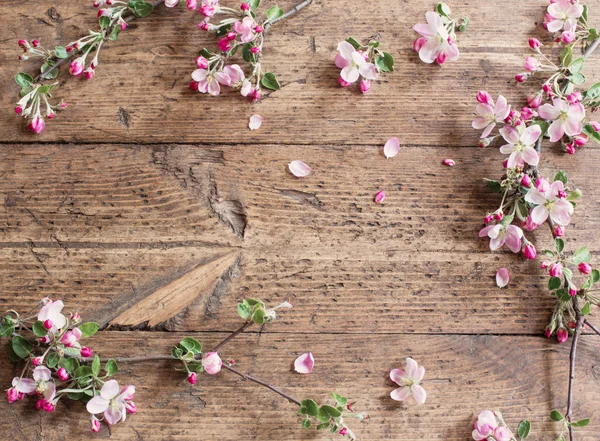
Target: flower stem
289,13
262,383
573,354
233,335
592,327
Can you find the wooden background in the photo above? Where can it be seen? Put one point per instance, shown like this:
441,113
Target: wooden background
153,209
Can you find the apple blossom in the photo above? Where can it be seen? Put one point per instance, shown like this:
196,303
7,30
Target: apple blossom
355,64
51,312
566,118
509,235
111,402
439,44
490,114
409,380
563,14
548,203
520,145
212,363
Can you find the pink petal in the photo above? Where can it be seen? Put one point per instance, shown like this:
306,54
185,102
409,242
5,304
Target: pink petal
255,122
304,364
391,148
419,393
109,390
539,214
530,156
400,394
299,168
24,385
97,405
346,50
449,162
556,130
502,277
549,112
396,376
341,62
113,416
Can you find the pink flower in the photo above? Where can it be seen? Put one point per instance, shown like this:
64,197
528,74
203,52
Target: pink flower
380,197
490,115
207,82
234,73
408,379
52,311
526,181
245,28
212,363
549,203
37,124
224,44
299,168
192,5
70,338
355,64
12,395
484,97
555,270
37,361
502,277
484,426
499,235
438,46
520,145
111,402
202,62
192,378
562,335
304,363
530,225
566,118
563,14
534,43
584,268
529,252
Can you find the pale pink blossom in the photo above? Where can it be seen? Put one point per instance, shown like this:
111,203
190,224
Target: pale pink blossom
304,363
255,122
520,145
111,402
171,3
409,380
212,363
24,385
391,147
70,338
565,117
355,64
486,427
438,45
502,277
299,168
206,82
490,115
52,311
235,74
563,14
549,203
499,235
245,28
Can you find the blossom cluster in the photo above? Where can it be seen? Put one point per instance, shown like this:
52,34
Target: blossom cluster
364,62
490,426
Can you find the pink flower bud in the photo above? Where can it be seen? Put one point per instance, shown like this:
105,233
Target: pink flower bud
532,64
548,332
484,98
255,96
224,44
62,374
498,215
574,97
538,184
255,49
580,140
51,115
37,125
191,4
69,48
343,82
231,36
559,231
571,324
35,43
39,404
572,291
130,406
380,197
556,270
123,25
547,88
204,26
567,37
526,181
37,361
488,219
95,425
76,67
63,105
562,335
561,194
12,395
86,352
258,29
212,363
192,378
44,340
245,7
343,431
75,317
595,125
419,43
48,324
18,110
365,85
441,58
529,252
485,142
534,101
522,77
584,268
534,43
194,85
527,113
23,44
449,162
505,163
202,62
89,74
207,10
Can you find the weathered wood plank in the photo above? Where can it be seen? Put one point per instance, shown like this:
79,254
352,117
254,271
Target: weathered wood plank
140,93
521,376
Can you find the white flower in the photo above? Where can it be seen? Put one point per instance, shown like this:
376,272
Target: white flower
112,402
438,44
52,311
566,118
409,380
490,115
520,145
353,64
549,203
565,14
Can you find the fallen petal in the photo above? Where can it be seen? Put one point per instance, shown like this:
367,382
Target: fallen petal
299,168
449,162
255,122
304,364
380,197
502,277
391,148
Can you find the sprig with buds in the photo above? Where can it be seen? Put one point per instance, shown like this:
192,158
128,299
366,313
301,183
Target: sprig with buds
490,426
60,367
437,42
364,62
528,199
34,103
238,30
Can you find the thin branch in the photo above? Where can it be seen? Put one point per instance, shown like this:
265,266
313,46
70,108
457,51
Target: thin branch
262,383
289,13
592,327
578,327
233,335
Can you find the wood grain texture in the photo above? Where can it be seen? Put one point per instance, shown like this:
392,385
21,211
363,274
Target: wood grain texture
140,92
523,376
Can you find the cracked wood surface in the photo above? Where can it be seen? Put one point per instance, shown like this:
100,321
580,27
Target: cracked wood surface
151,208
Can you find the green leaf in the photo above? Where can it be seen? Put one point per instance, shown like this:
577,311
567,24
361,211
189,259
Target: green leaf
253,4
507,220
111,367
141,9
306,423
205,53
247,54
584,14
176,352
566,55
576,65
595,275
577,78
524,429
24,80
563,294
559,244
60,52
52,359
586,309
70,364
581,255
581,423
114,34
192,345
243,310
88,329
96,366
104,21
494,186
309,407
13,356
259,316
6,330
274,13
593,92
589,130
561,176
443,9
574,195
354,42
270,82
385,62
554,283
51,74
341,401
555,415
21,346
330,411
75,395
462,27
38,329
323,426
83,372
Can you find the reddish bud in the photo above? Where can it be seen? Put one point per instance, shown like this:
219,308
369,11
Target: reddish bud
534,43
192,378
48,324
584,268
529,252
245,7
559,231
562,335
18,110
86,352
498,215
380,197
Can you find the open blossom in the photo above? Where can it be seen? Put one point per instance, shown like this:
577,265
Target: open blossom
112,402
563,14
550,202
499,235
245,28
565,117
520,145
207,82
70,338
490,114
438,45
408,379
486,427
52,311
353,64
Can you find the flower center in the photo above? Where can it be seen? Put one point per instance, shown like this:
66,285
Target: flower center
519,147
563,116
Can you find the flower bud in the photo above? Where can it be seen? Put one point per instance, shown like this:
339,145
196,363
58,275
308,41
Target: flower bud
75,317
89,74
441,58
488,219
62,374
212,363
545,264
534,43
559,231
574,97
529,252
556,270
255,96
530,225
35,43
123,25
18,110
48,324
130,407
245,7
255,49
12,395
548,332
365,85
547,88
258,29
532,64
562,335
498,215
572,291
343,82
37,361
526,181
204,26
418,43
584,268
527,113
534,101
567,37
343,431
484,142
202,62
23,44
44,340
86,352
76,67
380,197
37,125
191,4
63,105
522,77
192,378
50,114
580,140
505,163
194,85
95,425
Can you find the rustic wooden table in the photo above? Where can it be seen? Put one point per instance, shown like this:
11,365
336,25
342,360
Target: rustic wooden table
154,209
